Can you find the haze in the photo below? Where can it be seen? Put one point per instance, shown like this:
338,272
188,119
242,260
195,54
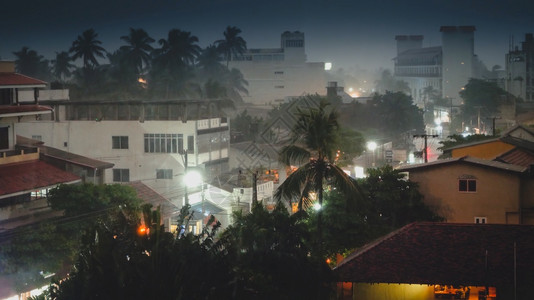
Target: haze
355,35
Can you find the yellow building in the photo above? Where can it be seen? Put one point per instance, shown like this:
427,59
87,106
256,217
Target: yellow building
473,190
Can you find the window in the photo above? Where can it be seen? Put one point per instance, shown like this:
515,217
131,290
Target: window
164,173
38,194
37,137
278,72
481,220
119,142
467,185
163,143
121,175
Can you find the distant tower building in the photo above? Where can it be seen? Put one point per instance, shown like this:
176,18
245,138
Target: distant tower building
520,69
444,69
458,58
419,67
274,74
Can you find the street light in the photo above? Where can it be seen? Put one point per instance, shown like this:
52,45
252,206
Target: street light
371,146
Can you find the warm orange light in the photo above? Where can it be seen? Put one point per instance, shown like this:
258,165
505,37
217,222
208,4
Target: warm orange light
328,261
141,80
143,230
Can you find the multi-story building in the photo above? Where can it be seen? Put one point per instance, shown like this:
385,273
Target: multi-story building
520,70
446,68
149,141
276,73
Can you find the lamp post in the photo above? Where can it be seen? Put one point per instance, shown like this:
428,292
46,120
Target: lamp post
371,146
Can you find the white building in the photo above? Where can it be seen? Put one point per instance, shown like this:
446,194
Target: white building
146,141
520,70
273,74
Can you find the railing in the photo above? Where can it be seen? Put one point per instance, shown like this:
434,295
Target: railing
28,95
18,155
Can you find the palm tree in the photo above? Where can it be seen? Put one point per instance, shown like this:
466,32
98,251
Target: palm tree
87,47
315,137
173,61
30,63
209,62
315,142
62,66
138,49
232,44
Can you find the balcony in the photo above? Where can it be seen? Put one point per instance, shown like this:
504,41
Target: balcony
18,155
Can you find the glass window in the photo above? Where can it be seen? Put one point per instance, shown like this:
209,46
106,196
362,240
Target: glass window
121,175
467,185
164,173
163,143
119,142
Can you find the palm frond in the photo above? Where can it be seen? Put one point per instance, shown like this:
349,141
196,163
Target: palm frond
293,154
346,185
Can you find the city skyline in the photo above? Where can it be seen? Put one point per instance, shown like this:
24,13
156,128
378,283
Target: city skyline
355,35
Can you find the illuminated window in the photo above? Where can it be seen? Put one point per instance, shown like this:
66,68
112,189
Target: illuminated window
38,194
467,185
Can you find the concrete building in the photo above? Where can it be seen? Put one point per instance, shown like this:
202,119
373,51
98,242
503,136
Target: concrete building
446,68
149,141
520,69
275,73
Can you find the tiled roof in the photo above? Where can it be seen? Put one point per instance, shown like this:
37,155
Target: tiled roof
28,176
517,156
149,195
468,160
15,79
23,109
444,253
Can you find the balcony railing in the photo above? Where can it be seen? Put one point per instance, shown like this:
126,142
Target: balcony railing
18,155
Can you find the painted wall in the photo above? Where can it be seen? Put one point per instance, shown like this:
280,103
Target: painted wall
488,150
384,291
496,197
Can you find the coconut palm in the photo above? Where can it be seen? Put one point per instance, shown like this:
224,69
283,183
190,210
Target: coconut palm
172,62
30,63
138,49
62,66
209,62
87,47
315,142
232,44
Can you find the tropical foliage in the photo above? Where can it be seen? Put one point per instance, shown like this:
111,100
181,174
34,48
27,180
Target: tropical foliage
174,67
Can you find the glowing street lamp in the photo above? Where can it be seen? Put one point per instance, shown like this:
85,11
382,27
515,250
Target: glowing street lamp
371,146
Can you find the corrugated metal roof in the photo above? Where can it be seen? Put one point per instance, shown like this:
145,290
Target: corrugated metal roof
15,79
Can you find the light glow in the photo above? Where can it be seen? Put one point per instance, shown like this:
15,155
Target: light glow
327,66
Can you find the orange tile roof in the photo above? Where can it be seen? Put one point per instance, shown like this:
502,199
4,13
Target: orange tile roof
26,108
28,176
10,79
444,253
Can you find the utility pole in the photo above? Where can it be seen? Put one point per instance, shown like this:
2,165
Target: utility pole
186,196
425,136
493,124
254,188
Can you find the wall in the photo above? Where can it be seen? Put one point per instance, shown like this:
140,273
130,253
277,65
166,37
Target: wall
384,291
497,193
488,150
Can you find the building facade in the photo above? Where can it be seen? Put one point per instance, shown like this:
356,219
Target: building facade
152,142
445,69
520,70
276,73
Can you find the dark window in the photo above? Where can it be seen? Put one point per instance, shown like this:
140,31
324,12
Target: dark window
121,175
163,143
119,142
164,173
467,185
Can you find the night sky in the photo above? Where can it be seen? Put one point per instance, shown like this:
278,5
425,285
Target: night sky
349,33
